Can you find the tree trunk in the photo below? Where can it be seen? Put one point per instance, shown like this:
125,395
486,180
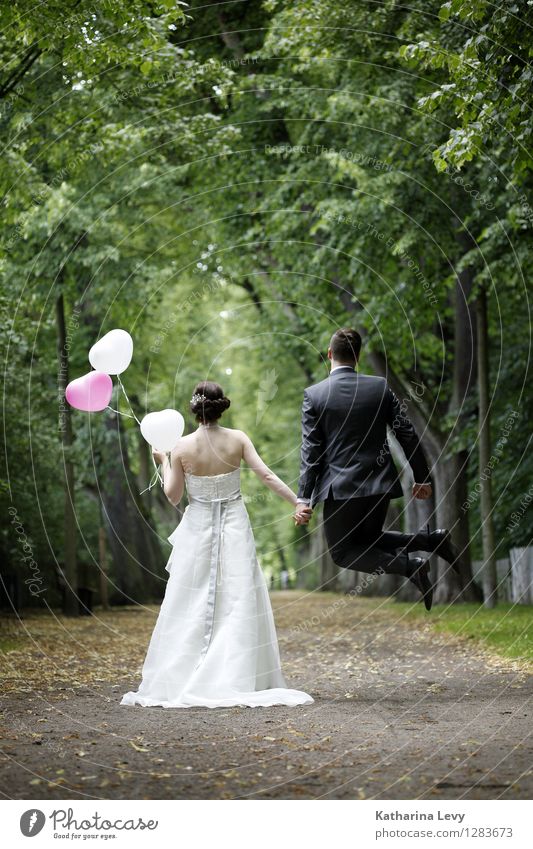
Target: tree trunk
230,39
137,558
102,556
319,553
70,566
451,483
305,579
284,566
146,469
415,516
154,502
451,471
490,579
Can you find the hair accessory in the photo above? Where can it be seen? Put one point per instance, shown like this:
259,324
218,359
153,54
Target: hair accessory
198,398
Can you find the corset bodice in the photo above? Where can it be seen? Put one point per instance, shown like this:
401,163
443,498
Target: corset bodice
214,487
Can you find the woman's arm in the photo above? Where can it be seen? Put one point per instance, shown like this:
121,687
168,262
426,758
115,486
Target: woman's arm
173,478
266,475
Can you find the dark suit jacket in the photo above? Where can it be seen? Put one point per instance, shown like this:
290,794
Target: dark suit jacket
345,453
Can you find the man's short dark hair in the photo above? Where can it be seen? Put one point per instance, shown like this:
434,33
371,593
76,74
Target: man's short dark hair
345,345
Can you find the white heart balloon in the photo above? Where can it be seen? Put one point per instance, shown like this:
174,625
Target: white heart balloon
163,430
112,353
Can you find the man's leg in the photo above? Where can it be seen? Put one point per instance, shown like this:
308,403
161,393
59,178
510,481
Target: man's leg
371,527
439,542
353,531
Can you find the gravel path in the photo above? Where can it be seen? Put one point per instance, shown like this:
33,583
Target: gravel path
399,713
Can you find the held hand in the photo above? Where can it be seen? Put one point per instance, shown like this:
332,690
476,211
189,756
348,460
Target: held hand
158,456
302,514
422,491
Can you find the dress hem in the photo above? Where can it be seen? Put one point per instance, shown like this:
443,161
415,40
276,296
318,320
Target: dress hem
265,698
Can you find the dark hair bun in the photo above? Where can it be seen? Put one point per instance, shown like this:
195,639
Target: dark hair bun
208,401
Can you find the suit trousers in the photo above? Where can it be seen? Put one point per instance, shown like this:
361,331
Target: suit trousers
356,539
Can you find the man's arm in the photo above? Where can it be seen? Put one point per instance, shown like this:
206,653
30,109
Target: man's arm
311,451
406,435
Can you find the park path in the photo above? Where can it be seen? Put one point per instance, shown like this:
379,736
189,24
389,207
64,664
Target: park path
399,713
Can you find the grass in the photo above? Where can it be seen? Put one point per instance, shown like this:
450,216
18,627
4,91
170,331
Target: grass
10,644
505,630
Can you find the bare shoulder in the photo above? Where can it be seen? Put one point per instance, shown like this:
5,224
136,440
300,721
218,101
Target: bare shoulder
240,435
184,441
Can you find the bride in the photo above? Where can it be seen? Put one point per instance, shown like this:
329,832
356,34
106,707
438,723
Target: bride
214,643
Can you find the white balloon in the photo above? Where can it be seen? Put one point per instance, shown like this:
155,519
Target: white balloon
162,430
112,353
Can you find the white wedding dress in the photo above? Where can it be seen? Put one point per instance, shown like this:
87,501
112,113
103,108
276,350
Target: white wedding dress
214,643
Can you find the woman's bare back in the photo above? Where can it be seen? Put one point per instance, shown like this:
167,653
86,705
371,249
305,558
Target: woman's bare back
215,450
211,450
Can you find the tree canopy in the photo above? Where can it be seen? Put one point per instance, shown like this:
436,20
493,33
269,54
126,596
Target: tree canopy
230,183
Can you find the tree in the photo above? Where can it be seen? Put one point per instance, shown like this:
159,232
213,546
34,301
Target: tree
482,55
78,148
231,185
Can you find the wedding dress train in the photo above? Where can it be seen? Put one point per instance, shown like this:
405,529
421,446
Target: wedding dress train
214,643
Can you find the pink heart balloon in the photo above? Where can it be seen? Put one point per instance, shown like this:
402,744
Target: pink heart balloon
90,393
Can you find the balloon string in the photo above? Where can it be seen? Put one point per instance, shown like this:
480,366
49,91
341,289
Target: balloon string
120,413
152,482
156,467
156,476
127,399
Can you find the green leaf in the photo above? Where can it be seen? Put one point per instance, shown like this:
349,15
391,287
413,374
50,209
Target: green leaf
445,11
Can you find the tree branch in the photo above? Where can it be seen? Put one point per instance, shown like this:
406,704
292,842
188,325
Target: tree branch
230,39
31,56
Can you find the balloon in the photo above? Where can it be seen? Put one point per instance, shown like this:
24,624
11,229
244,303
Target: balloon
91,393
112,353
162,430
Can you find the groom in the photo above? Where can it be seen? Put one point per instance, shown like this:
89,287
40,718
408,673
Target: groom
346,463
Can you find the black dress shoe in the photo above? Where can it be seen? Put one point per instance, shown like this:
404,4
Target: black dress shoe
441,539
420,578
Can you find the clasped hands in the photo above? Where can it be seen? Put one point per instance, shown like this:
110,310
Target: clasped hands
302,513
422,491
